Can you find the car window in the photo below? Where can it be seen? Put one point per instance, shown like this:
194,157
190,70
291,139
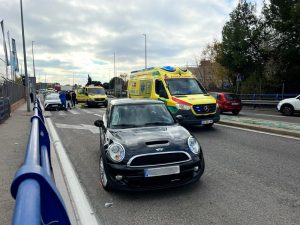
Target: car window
139,115
52,97
231,97
96,91
184,86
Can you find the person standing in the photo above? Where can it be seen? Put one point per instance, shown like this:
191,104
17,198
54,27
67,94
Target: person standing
62,97
31,97
68,98
74,98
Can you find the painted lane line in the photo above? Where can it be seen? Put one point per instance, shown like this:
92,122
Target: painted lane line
260,114
260,132
98,115
74,112
86,111
62,113
86,214
93,129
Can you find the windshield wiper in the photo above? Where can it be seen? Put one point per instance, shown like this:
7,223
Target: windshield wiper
157,123
126,125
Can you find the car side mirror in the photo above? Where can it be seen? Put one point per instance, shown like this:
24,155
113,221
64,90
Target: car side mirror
99,123
179,118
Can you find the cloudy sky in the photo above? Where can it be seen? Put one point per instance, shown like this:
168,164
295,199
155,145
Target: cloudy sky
76,38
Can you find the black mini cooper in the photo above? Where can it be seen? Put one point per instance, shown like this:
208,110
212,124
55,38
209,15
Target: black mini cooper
143,147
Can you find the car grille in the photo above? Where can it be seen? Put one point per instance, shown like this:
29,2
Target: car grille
202,109
156,159
99,99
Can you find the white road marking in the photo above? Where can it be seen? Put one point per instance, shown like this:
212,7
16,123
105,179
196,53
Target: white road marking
260,132
74,112
260,114
86,214
91,128
62,113
86,111
47,113
98,114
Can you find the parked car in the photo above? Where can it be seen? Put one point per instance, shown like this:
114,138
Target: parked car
143,147
52,101
228,102
289,106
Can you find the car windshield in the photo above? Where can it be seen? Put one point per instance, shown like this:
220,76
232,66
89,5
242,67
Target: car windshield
231,97
52,97
184,86
96,91
140,115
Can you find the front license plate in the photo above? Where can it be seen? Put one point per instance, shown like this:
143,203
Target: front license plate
161,171
207,121
235,103
54,105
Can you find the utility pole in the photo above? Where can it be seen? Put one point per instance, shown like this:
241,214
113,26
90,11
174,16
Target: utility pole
34,87
115,81
25,62
145,35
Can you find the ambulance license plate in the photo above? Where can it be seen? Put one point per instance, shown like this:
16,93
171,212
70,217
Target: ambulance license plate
207,121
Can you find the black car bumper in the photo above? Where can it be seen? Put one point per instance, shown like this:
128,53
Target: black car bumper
191,119
134,178
97,103
54,106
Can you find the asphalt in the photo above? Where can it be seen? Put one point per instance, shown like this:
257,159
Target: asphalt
14,135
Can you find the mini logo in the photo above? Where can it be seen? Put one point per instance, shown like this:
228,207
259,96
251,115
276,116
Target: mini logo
159,149
206,109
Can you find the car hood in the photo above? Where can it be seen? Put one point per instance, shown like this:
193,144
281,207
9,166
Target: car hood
194,99
139,139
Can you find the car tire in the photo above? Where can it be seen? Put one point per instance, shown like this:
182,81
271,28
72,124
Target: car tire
287,110
235,112
104,179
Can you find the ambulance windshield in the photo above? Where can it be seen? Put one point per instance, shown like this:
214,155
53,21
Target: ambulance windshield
184,86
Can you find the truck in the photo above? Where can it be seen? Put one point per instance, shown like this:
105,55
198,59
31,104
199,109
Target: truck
182,93
91,95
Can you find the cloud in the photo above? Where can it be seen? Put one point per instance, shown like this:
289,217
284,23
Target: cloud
80,37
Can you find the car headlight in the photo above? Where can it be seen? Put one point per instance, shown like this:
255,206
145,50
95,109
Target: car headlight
193,145
116,152
183,107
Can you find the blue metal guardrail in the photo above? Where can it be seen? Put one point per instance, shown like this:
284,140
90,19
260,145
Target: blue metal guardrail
37,198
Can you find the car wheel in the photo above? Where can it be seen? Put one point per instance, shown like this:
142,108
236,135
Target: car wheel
235,112
105,182
287,110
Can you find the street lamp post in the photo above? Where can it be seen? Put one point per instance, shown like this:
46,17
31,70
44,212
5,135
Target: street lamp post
25,61
34,87
145,35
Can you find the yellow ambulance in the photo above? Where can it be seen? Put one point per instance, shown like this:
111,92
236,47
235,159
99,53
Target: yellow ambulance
91,95
182,93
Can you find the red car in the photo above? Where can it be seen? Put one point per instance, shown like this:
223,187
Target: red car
228,102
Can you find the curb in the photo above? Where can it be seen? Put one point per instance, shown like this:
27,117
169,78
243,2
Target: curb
261,128
16,105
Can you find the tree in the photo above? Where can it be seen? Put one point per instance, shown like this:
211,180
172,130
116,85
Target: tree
240,41
282,28
117,81
89,80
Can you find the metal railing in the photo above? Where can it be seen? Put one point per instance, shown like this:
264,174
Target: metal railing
264,99
12,90
37,198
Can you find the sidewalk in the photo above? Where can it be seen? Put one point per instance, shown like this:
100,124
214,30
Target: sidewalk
13,140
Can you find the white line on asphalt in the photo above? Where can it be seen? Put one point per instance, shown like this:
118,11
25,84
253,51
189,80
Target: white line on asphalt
84,209
86,111
98,114
74,112
260,114
260,132
62,113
